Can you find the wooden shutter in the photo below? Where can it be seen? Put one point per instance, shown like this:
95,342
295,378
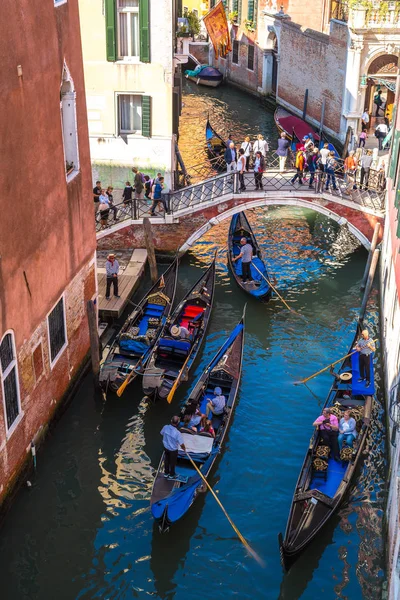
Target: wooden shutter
394,155
146,116
144,25
109,6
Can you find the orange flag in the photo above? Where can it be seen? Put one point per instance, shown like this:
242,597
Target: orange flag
217,27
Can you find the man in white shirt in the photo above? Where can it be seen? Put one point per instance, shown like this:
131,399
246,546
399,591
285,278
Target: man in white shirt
364,120
381,132
172,440
246,254
324,153
217,404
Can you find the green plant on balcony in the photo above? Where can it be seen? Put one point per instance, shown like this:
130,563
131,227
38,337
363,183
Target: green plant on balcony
249,25
194,23
233,17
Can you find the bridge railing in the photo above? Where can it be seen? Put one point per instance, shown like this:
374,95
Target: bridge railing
210,190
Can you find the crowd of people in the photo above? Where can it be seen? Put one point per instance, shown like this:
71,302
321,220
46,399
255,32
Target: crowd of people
151,190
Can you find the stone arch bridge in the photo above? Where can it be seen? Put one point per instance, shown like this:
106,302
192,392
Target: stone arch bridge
197,208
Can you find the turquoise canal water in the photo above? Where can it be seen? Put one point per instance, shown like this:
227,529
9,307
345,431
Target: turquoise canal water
84,529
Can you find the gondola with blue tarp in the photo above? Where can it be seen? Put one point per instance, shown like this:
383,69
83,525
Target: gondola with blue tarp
260,288
323,481
172,498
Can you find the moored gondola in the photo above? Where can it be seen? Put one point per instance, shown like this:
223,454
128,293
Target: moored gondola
297,129
323,481
215,144
172,498
240,227
180,339
132,347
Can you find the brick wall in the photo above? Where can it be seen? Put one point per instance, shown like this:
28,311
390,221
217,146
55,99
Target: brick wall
200,51
41,392
309,59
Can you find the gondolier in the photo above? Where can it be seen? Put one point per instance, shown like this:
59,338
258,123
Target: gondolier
365,346
246,254
172,440
112,270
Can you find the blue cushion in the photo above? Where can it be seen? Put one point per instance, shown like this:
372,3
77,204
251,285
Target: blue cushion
179,344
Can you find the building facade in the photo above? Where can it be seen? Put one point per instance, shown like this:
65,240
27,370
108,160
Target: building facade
132,93
47,236
390,327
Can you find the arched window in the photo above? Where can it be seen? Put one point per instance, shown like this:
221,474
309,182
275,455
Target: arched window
9,380
69,124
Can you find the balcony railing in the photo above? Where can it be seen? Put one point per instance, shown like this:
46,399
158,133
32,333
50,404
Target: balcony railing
373,14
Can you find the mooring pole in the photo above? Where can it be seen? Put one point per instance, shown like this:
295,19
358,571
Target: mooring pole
151,255
371,252
305,104
371,275
94,340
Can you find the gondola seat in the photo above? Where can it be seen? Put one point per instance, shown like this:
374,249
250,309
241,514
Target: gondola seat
170,348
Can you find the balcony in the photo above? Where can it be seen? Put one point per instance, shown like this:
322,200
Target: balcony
367,14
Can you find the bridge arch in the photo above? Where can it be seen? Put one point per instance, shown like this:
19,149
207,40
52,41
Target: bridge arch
297,202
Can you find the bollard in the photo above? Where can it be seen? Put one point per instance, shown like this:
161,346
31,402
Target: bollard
151,255
370,280
371,252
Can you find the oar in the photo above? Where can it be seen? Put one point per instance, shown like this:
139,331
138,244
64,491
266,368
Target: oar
275,290
177,380
328,367
127,380
236,530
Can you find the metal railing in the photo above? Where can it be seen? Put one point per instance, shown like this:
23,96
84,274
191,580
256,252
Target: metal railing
211,190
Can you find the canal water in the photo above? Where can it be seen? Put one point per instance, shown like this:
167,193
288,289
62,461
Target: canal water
83,530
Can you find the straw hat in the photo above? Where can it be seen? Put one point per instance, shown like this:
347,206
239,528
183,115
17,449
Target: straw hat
345,376
175,331
112,255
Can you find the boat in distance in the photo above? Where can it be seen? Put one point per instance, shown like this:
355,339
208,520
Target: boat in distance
171,499
323,482
132,347
180,339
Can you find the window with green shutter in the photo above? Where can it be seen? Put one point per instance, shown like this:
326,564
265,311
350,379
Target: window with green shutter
250,10
109,6
235,5
146,116
144,24
394,156
239,9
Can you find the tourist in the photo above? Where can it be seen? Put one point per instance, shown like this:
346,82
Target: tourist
259,168
230,157
112,270
127,193
192,416
330,166
328,428
261,145
378,102
365,346
246,254
381,132
229,141
382,177
347,429
104,208
180,332
365,162
311,160
147,187
300,161
324,153
350,166
361,139
206,426
172,441
110,197
217,404
321,175
282,151
138,184
365,120
241,167
247,148
96,196
157,196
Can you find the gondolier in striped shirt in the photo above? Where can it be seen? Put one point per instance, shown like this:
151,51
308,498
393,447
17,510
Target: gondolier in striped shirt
365,346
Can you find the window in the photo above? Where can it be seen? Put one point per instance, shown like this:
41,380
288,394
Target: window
58,2
250,58
127,29
9,380
57,331
134,114
235,52
69,125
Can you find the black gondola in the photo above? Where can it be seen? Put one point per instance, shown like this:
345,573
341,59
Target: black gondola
240,227
174,354
215,144
323,481
171,499
133,345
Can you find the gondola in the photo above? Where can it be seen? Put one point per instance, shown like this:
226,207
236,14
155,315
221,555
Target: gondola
171,499
173,356
215,144
240,227
297,129
133,345
323,482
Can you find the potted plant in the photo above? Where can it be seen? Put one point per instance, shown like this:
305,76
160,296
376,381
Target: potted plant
194,23
183,32
233,17
249,25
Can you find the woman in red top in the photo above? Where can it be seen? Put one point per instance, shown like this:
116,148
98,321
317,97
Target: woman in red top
206,426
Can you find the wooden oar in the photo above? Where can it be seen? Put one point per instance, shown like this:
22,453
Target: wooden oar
328,367
275,290
127,380
236,530
177,380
